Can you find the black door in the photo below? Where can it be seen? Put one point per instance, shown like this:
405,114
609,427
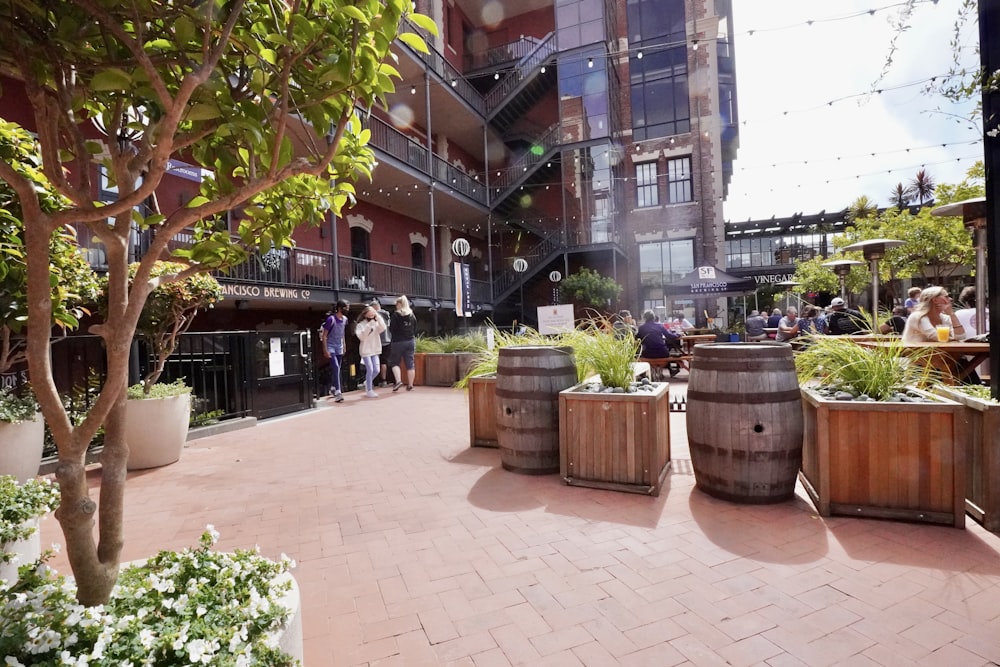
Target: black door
282,373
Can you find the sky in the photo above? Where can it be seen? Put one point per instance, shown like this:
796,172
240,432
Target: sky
798,152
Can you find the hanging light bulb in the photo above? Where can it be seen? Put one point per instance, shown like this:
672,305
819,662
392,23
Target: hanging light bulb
695,45
496,76
590,63
413,90
543,69
638,56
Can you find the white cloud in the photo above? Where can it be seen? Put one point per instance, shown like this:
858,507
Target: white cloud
821,152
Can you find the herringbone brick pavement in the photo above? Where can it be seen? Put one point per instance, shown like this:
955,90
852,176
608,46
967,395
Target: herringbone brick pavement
414,549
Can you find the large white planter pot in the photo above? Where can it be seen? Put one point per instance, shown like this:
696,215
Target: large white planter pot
21,448
27,551
156,430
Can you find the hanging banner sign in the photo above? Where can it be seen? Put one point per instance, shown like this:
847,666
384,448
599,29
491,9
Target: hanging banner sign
463,289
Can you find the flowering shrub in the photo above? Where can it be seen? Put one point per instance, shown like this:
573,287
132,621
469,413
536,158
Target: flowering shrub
19,504
16,409
192,607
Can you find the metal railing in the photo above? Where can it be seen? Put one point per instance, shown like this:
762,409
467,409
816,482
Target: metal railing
503,184
523,70
437,63
535,258
402,147
501,54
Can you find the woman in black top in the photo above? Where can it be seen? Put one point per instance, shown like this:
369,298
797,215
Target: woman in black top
402,330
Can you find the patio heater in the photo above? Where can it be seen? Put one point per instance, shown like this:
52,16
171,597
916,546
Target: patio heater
842,267
973,212
873,250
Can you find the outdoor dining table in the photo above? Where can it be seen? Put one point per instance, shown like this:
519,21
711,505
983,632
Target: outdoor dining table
949,359
688,341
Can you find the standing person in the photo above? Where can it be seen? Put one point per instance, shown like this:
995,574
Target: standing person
333,338
844,321
912,299
368,330
933,310
788,326
755,326
403,330
385,339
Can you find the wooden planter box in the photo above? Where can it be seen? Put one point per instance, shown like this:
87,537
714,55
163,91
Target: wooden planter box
885,460
619,442
418,371
440,369
482,392
982,457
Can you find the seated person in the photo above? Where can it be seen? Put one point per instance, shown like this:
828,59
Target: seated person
896,322
653,339
788,326
755,326
844,321
813,322
934,309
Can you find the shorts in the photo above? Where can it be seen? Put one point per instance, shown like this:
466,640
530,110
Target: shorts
402,350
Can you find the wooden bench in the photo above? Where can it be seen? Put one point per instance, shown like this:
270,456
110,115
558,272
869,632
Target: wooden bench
684,361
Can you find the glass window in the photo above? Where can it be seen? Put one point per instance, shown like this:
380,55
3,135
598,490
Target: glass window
359,243
417,255
645,185
679,180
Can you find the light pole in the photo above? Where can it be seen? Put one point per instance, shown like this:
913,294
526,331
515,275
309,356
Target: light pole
874,250
555,277
842,267
520,266
463,300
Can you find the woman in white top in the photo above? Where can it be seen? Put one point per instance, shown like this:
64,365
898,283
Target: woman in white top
368,328
933,309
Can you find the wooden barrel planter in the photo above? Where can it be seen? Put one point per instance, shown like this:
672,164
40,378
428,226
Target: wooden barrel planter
529,379
744,421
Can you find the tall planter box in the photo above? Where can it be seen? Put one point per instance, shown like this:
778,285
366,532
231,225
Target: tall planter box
982,481
611,441
440,369
482,392
885,460
418,369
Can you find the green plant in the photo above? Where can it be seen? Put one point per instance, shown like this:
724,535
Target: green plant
598,350
470,342
19,504
590,288
424,344
979,391
486,359
842,364
138,391
16,408
192,607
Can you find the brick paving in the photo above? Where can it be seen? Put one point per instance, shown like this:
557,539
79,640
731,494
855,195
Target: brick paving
414,549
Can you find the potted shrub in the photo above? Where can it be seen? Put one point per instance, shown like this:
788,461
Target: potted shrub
21,507
168,312
196,606
446,358
982,458
614,431
22,434
874,443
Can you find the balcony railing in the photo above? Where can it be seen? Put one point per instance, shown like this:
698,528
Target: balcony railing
507,179
525,68
501,54
437,63
400,146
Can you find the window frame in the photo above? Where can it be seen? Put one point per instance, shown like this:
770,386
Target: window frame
647,191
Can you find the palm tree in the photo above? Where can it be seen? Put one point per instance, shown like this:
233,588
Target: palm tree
921,187
862,207
899,197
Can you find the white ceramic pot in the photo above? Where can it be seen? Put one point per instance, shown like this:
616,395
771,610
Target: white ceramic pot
27,551
156,430
21,448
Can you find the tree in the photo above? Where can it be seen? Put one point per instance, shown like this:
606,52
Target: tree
861,208
73,282
590,288
899,197
263,94
921,187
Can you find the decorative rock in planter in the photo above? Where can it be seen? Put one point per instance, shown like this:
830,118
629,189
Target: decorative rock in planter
21,446
885,459
615,440
156,430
